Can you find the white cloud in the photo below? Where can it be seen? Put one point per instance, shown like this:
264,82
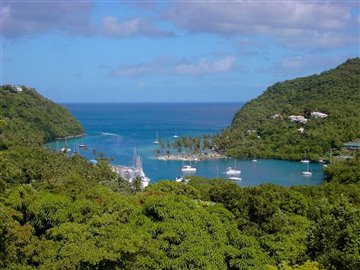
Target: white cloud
164,66
205,66
304,65
281,19
113,27
26,18
29,17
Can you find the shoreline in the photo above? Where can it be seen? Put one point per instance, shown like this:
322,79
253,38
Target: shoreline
70,137
182,157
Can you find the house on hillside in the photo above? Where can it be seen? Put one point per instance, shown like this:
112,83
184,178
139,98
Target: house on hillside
319,115
354,145
277,115
298,118
16,88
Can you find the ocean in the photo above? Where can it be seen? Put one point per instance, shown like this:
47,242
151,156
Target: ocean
116,130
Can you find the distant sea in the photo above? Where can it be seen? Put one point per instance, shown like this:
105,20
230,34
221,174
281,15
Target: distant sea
117,129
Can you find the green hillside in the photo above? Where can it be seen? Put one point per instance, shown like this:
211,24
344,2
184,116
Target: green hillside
27,118
262,128
62,212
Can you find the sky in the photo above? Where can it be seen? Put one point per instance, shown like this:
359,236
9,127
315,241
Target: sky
171,51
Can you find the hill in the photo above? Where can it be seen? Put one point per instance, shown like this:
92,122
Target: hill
27,118
59,211
297,118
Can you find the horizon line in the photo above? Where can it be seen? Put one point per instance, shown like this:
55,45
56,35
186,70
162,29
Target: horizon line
151,102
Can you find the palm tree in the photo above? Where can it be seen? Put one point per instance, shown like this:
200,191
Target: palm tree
137,184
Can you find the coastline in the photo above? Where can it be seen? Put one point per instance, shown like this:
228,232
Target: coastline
70,137
189,157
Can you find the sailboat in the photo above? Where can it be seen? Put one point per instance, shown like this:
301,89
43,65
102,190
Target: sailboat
175,135
305,160
157,138
307,172
188,169
231,172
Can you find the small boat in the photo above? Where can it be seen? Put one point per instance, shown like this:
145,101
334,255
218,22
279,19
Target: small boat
157,139
175,135
231,171
82,145
307,172
305,161
254,160
65,150
234,178
188,168
181,179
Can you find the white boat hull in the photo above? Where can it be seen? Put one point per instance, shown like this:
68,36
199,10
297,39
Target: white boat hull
234,178
188,170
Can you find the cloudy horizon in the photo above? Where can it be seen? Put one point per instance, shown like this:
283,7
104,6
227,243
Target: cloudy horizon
156,51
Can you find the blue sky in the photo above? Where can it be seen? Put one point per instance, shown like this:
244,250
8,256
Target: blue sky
171,51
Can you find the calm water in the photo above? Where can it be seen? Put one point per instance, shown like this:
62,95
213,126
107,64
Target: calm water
115,129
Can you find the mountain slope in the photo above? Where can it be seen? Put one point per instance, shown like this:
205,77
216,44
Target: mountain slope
30,119
262,128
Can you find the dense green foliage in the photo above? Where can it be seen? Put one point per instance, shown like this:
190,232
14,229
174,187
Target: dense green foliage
255,133
345,172
70,221
62,212
29,119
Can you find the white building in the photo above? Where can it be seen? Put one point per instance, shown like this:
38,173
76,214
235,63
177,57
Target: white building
277,115
319,115
17,88
298,118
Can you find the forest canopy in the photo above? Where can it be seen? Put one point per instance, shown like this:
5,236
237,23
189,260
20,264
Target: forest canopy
27,118
328,102
62,212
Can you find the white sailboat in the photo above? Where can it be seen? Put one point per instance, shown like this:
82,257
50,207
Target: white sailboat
234,178
157,138
305,160
307,172
188,169
232,171
175,135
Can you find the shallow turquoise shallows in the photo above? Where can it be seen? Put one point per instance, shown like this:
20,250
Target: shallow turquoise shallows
116,129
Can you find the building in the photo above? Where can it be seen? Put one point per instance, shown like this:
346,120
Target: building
277,115
355,145
16,88
319,115
298,118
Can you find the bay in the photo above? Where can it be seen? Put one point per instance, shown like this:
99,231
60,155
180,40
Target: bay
115,130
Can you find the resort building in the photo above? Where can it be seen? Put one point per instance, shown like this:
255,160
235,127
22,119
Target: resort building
355,145
319,115
277,115
298,118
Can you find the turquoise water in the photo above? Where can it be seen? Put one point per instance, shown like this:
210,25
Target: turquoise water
116,129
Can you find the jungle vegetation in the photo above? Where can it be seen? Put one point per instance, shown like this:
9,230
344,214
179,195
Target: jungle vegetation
262,127
62,212
30,119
